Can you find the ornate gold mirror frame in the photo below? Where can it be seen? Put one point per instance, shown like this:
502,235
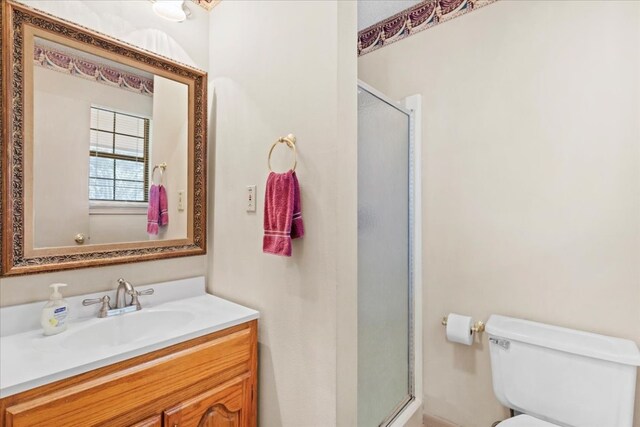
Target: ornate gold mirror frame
18,25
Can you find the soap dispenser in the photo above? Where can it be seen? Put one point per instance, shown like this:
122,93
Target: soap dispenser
54,313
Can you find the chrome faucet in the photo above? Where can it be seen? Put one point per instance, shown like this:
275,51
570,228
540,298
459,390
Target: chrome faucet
124,288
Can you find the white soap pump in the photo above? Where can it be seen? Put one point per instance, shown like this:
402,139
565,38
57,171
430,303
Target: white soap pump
54,313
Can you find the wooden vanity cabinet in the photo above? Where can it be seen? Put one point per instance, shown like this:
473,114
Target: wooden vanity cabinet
224,406
210,381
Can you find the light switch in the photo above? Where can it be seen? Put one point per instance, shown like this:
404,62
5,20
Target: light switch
181,200
251,198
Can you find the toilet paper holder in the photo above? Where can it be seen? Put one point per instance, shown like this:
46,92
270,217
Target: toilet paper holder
478,327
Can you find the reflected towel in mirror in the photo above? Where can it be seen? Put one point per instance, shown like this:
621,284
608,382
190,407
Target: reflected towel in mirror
153,211
163,206
157,212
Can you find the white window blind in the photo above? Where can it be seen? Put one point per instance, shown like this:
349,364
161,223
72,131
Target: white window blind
118,156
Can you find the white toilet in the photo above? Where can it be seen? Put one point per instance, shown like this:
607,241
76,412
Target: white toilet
561,377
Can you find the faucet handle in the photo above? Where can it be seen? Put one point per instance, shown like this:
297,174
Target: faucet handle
135,294
138,293
105,300
105,304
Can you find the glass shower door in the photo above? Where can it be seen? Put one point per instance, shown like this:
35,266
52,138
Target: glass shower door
385,377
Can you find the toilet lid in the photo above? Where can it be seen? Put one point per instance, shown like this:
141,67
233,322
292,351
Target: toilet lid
525,421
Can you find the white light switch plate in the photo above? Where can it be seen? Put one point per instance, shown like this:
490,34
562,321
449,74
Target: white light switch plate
181,200
251,198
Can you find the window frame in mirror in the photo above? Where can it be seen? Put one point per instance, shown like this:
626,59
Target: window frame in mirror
19,25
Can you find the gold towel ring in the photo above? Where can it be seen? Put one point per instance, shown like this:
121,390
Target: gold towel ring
290,140
162,166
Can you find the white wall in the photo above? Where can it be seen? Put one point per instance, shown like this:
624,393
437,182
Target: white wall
61,117
170,146
531,177
279,68
135,22
116,228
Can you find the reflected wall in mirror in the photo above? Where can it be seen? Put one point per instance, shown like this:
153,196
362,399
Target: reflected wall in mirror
106,160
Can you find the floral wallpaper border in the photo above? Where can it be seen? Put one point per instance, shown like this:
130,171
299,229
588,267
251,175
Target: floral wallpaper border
62,62
417,18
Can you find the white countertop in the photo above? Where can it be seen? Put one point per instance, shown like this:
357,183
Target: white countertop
30,359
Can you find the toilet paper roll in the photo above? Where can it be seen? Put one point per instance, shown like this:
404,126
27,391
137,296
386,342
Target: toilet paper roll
459,329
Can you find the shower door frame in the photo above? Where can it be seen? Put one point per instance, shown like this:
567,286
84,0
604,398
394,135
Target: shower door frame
409,411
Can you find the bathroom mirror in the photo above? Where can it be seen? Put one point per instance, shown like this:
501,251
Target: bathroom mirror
104,149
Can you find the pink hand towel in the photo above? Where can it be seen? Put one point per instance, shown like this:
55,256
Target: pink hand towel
153,211
282,197
297,226
163,206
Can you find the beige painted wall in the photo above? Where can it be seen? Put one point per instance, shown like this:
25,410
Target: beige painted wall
135,22
279,68
125,227
531,177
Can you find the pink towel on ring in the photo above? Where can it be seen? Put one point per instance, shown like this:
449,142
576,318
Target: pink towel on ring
153,211
157,212
282,213
297,226
163,206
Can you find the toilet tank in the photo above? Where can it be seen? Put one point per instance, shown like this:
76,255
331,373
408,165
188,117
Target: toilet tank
567,377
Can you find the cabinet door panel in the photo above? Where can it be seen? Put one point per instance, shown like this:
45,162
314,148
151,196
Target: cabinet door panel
224,406
219,416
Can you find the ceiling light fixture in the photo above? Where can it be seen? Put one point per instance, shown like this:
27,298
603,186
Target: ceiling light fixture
171,10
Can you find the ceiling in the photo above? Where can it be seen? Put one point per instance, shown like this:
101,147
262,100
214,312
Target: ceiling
374,11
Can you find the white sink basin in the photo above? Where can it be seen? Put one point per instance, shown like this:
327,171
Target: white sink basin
125,329
176,312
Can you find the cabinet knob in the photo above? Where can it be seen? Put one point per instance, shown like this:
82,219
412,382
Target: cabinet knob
80,237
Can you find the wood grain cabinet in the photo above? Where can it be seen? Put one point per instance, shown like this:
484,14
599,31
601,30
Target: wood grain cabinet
209,381
155,421
224,406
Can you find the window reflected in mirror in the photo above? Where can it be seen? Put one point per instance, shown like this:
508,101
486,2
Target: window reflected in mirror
118,157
